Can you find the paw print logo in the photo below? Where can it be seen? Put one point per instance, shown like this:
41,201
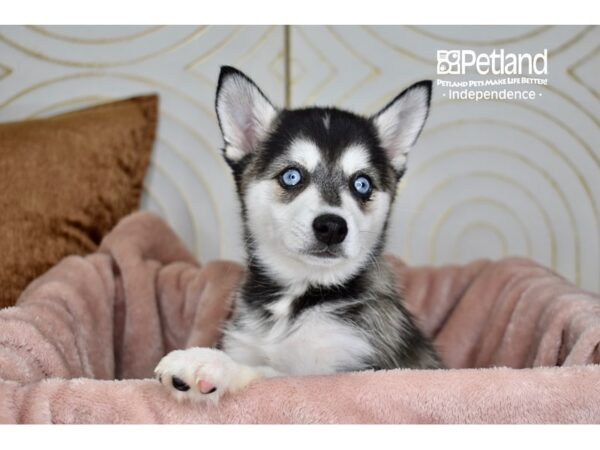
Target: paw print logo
448,62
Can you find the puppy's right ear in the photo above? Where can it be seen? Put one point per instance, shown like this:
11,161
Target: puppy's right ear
244,112
401,121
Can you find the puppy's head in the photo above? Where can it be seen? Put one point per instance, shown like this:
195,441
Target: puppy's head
316,184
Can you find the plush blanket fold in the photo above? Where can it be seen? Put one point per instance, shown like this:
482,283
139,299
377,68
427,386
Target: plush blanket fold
521,344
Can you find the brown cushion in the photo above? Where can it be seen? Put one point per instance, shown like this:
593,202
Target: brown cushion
65,182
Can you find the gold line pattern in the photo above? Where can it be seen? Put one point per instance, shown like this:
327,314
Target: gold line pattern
402,51
321,57
506,152
5,71
473,42
94,41
203,142
125,76
279,59
161,207
211,51
261,40
555,150
571,42
181,194
482,224
499,177
74,101
482,200
211,196
571,71
90,65
383,100
374,71
574,103
287,39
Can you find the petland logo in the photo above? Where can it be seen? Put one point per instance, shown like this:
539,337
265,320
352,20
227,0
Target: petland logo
492,76
458,62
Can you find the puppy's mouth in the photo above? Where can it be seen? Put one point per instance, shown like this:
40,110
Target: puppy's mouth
326,252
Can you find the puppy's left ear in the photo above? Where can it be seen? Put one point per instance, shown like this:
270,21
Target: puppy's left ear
244,112
401,121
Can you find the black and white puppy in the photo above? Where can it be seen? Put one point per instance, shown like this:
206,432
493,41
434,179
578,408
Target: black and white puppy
316,186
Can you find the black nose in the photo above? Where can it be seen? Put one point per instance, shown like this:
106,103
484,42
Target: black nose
330,229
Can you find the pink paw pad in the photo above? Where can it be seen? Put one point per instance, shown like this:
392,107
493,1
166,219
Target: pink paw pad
206,387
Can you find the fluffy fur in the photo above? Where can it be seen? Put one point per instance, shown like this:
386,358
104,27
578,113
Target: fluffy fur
318,297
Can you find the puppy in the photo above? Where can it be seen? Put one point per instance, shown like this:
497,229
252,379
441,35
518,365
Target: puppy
316,186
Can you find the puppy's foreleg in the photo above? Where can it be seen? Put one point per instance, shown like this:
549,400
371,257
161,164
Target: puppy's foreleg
203,374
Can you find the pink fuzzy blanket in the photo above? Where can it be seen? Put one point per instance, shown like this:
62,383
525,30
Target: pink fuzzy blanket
522,344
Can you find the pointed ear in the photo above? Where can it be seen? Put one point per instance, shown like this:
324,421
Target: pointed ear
244,112
401,121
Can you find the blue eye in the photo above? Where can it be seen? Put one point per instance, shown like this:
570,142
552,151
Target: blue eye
290,177
362,185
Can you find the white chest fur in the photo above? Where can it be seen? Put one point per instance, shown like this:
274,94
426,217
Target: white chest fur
314,343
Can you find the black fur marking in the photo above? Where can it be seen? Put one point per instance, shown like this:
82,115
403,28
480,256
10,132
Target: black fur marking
259,290
344,130
319,295
410,348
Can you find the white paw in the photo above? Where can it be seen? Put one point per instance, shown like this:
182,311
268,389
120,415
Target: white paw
201,374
